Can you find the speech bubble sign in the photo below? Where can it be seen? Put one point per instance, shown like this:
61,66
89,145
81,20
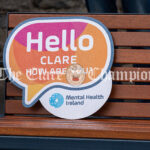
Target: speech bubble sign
38,52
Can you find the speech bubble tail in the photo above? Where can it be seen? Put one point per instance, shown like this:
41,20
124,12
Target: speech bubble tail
31,95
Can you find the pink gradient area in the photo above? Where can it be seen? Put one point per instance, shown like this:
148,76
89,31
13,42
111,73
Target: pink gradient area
49,29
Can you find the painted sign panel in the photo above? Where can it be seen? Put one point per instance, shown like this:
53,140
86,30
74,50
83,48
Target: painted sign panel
63,62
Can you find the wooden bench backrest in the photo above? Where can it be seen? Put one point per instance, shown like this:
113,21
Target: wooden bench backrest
132,46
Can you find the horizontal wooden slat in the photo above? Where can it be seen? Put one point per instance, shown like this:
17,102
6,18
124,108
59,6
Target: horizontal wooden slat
91,128
111,21
132,56
16,107
129,38
124,109
110,109
118,91
130,92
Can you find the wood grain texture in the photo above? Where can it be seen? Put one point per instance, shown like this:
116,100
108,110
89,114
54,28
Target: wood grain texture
87,128
131,38
132,56
118,91
111,21
110,109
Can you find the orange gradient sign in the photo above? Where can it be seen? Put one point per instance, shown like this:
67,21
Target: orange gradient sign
39,51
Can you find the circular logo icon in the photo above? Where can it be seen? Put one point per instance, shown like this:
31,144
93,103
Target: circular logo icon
56,100
75,75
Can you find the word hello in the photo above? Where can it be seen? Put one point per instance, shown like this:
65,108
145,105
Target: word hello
52,42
